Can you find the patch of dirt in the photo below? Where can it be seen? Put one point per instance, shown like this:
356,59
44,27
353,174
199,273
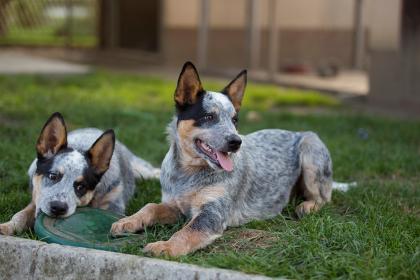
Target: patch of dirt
240,239
411,211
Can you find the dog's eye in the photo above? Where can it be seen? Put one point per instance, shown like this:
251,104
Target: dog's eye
54,176
208,117
80,189
235,120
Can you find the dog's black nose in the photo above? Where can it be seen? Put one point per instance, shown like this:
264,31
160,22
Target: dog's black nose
234,142
58,208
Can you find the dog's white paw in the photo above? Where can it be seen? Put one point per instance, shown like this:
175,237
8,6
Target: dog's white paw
7,229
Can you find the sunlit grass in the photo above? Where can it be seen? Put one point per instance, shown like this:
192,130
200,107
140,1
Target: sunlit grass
371,232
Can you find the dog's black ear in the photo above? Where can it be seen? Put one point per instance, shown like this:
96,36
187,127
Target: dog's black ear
188,87
53,137
235,89
100,153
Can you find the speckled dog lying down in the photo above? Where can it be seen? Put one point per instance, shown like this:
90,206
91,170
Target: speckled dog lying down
218,178
85,167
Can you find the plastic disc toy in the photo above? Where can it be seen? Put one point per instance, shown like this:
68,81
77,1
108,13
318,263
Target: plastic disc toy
87,227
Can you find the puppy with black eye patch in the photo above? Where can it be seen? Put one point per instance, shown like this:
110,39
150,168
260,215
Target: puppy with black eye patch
217,178
86,167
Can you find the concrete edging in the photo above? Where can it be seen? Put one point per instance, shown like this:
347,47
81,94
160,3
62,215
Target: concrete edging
30,259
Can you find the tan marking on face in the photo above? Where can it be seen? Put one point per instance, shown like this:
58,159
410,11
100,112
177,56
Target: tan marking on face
89,195
79,179
104,201
190,160
86,199
195,200
36,187
186,129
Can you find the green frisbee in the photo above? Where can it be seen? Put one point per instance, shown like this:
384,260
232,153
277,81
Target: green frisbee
87,227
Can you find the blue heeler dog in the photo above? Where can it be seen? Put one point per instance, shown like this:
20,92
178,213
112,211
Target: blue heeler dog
218,178
85,167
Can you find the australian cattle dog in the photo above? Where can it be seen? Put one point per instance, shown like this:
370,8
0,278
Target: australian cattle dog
217,178
85,167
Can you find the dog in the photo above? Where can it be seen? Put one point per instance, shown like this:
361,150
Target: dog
85,167
218,178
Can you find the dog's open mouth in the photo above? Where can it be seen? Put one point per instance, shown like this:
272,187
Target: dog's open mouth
220,158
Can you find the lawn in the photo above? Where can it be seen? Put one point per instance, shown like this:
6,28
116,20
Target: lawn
44,23
372,231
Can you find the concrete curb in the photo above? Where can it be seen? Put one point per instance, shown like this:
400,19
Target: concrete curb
30,259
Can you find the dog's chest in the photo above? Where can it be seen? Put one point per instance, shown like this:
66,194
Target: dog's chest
190,199
192,203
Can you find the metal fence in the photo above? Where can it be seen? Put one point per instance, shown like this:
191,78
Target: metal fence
49,23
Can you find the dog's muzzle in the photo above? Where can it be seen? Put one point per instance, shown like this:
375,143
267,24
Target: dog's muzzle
233,142
58,208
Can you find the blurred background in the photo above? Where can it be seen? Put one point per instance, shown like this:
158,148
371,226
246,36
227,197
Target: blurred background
347,69
368,49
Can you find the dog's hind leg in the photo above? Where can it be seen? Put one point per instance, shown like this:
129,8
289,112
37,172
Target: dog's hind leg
20,221
141,168
316,174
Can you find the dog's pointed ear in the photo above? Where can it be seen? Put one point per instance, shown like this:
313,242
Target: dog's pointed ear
100,153
235,89
53,137
188,87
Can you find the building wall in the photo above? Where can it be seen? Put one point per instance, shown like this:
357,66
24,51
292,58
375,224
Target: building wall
292,14
313,32
395,60
180,13
384,22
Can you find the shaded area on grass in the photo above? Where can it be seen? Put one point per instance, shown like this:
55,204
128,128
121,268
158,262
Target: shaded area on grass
370,232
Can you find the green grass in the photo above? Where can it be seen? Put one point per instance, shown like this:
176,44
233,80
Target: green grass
370,232
45,36
51,33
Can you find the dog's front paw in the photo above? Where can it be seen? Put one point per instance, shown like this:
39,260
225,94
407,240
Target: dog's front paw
129,224
7,229
167,248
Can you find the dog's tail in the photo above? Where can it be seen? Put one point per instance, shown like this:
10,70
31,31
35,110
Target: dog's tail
143,169
343,186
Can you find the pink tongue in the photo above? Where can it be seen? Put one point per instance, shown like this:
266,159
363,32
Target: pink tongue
224,161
